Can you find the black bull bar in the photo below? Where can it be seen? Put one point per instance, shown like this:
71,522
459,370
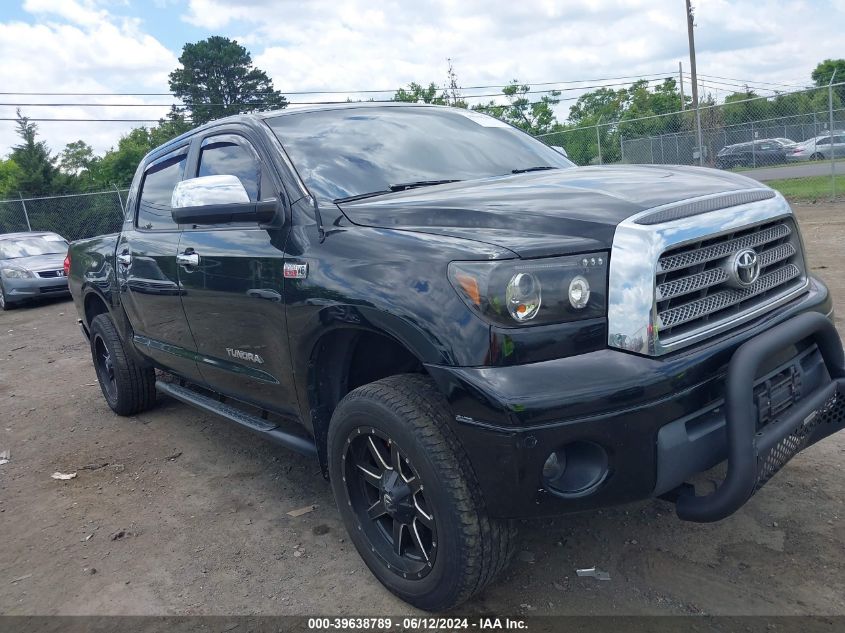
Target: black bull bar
755,455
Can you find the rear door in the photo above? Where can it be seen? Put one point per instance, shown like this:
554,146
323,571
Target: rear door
146,268
839,145
234,296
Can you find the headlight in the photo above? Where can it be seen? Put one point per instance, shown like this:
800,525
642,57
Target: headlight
514,293
17,273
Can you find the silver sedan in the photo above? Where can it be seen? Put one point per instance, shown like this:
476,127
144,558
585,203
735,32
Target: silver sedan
818,148
31,266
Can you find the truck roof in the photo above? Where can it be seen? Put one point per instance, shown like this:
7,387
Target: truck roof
293,109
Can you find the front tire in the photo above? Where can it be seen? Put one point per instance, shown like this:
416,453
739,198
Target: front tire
817,156
127,386
408,496
4,302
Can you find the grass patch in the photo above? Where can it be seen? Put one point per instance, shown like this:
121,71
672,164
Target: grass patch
809,187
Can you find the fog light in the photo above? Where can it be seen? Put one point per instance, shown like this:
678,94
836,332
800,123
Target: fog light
554,466
576,469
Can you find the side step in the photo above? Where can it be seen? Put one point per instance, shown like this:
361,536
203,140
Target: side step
254,423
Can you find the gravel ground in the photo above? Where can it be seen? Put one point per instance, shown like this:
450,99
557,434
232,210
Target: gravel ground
177,512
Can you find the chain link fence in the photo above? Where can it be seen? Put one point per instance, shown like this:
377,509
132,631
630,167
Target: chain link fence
73,216
802,127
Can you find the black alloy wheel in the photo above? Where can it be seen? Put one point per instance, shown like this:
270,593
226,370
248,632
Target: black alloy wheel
104,366
387,496
128,385
408,495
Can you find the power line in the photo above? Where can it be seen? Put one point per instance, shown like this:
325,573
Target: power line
264,103
742,81
316,92
754,85
42,120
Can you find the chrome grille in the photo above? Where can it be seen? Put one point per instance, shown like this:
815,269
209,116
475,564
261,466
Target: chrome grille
694,290
51,273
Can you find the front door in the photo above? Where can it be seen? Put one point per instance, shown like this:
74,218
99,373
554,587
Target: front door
233,295
146,269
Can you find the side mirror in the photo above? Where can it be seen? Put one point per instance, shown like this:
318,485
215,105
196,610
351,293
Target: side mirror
217,200
560,150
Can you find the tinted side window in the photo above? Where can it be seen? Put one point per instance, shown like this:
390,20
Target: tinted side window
232,155
823,141
157,190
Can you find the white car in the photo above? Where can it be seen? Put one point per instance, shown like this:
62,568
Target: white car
818,148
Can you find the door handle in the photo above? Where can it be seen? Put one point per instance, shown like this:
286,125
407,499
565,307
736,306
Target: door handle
188,259
124,259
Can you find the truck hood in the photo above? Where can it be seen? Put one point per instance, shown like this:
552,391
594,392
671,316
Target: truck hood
542,213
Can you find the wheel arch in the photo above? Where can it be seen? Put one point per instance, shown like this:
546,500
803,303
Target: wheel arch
345,358
93,304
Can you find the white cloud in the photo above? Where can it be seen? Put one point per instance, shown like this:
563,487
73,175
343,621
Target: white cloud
78,47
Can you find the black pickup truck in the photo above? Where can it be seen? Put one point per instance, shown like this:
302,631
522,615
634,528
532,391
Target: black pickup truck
463,327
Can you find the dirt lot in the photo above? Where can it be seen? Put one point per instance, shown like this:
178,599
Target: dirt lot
176,512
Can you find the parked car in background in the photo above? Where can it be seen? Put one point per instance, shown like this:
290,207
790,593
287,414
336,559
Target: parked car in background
31,266
769,151
818,148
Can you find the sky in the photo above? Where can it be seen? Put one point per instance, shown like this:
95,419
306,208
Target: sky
337,46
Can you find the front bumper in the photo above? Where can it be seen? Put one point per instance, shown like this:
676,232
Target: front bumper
17,290
657,421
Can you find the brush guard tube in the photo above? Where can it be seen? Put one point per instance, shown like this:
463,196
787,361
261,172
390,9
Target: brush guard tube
755,456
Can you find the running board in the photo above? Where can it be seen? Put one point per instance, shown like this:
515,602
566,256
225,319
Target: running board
254,423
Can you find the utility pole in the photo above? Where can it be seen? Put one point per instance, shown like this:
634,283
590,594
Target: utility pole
691,36
681,84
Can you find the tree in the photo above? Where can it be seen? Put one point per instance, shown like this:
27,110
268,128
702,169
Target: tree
216,78
117,166
535,117
76,157
744,107
38,171
10,174
173,125
417,94
824,71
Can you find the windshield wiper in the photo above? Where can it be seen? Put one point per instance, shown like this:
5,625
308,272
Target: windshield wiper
525,170
361,196
402,186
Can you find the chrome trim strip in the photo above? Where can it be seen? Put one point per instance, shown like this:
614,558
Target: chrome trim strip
631,311
688,208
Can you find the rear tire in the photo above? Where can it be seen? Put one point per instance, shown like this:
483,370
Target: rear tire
127,386
398,429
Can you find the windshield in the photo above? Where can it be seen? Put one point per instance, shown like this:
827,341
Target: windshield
34,245
352,151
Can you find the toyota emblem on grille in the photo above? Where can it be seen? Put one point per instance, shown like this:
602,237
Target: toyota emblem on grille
746,267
